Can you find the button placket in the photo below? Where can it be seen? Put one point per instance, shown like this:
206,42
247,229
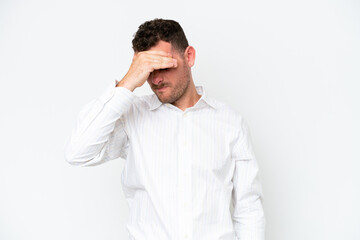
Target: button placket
185,207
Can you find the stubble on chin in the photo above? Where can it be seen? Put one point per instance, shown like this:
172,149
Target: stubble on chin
164,99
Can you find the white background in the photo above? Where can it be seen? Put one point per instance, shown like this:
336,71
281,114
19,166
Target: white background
290,67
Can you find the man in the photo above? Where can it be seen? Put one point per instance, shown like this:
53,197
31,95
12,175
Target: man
188,156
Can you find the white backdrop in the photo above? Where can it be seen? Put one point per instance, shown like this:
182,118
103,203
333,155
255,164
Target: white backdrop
290,67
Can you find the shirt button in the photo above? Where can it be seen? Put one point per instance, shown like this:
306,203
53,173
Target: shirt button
185,114
186,236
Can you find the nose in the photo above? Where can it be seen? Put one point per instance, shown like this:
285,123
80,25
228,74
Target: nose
156,77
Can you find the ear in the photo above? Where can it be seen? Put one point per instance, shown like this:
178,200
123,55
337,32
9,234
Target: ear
190,56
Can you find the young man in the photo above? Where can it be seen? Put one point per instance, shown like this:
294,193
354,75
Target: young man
188,156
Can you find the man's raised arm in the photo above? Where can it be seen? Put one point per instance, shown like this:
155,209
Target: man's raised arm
99,134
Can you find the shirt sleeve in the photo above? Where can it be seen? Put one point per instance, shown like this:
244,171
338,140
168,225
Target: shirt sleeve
99,133
248,216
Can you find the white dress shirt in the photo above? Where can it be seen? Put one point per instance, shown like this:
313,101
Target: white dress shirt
182,169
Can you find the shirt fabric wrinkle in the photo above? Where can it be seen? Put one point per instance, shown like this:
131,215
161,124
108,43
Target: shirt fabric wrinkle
188,175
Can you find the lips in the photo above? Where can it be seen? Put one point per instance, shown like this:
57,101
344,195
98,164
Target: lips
160,89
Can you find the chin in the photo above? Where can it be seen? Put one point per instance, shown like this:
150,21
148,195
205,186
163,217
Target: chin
163,100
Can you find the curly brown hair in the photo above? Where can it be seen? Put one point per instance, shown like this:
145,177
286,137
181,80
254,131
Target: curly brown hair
151,32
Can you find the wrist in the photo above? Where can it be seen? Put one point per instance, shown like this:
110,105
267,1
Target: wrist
125,84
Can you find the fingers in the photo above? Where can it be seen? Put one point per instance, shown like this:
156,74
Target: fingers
161,53
153,52
163,65
150,61
156,60
163,61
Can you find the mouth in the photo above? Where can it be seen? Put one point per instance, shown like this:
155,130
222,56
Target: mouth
161,89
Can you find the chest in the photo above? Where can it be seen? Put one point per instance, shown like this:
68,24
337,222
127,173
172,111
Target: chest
200,140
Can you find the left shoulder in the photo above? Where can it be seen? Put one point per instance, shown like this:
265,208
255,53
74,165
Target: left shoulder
226,109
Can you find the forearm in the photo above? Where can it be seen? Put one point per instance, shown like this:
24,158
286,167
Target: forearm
95,123
249,221
248,216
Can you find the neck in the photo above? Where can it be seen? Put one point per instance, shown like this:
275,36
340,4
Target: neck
189,99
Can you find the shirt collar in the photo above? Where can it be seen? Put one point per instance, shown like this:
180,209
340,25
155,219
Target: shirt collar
204,100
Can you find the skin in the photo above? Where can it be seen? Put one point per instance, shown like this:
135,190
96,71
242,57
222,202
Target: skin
162,65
